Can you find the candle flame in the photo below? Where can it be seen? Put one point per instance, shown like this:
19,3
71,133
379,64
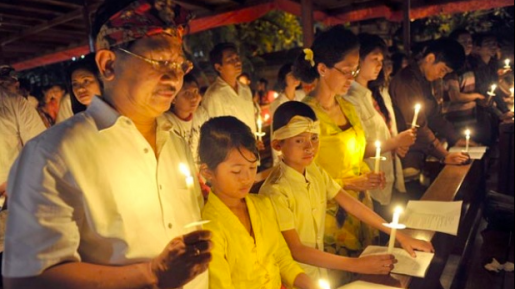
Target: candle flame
468,132
399,210
324,284
418,107
378,144
508,62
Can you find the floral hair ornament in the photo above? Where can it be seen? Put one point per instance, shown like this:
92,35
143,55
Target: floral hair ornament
297,126
310,56
140,19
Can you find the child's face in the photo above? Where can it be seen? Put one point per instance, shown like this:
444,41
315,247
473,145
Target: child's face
188,98
234,177
299,152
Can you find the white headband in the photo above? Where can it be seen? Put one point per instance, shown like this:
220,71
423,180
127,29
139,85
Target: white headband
297,126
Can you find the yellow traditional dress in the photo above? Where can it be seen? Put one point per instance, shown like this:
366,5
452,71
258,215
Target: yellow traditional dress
241,261
342,156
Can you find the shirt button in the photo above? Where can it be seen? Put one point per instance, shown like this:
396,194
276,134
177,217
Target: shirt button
160,187
170,225
145,150
128,122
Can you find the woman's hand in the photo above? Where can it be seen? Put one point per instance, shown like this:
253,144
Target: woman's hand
375,265
410,245
406,138
367,182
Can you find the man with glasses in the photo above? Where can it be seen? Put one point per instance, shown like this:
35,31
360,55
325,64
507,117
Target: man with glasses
414,85
227,96
99,201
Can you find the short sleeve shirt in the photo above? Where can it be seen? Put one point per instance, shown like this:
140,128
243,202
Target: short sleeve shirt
300,202
92,190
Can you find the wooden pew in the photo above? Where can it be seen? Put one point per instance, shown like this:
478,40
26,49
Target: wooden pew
506,159
453,183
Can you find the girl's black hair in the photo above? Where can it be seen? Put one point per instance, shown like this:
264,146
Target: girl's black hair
289,110
369,43
88,64
281,77
220,135
190,78
329,48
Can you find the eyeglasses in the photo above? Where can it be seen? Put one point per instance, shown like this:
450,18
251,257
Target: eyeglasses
348,74
164,65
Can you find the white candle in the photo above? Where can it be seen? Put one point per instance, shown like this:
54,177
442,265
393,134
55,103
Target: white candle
260,129
378,157
492,92
185,170
468,133
394,226
324,284
418,108
508,64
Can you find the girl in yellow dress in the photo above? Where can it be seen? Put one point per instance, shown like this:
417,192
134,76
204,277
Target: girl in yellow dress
249,249
334,61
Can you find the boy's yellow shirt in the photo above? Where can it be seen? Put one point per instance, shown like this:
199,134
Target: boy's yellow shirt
300,203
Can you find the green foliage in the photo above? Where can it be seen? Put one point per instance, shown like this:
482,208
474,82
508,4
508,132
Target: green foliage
496,21
276,31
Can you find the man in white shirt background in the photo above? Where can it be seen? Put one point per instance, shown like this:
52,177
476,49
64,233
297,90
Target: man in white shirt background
227,96
99,201
19,122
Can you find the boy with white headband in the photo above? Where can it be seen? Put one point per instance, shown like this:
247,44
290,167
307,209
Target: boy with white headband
300,189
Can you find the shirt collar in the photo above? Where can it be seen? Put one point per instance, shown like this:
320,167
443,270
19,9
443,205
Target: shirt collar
290,173
105,116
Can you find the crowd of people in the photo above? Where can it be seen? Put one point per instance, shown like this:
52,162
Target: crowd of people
103,183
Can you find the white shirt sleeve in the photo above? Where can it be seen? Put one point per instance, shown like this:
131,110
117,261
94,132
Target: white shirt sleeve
44,215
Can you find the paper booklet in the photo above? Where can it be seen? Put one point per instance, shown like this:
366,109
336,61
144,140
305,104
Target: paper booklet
365,285
476,153
433,216
416,267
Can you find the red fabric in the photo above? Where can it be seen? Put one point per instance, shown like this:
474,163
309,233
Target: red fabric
248,14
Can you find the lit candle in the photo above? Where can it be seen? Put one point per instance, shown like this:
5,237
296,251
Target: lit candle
512,92
185,170
508,64
394,226
468,133
324,284
418,108
267,117
260,129
492,92
378,157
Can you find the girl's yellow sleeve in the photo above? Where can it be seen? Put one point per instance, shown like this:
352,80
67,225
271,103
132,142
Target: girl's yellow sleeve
219,269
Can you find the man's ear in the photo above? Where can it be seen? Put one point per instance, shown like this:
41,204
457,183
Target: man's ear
218,67
105,62
208,174
430,58
277,145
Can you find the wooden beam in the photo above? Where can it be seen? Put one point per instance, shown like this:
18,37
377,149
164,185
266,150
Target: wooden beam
18,17
87,20
407,27
308,22
67,4
29,9
44,26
